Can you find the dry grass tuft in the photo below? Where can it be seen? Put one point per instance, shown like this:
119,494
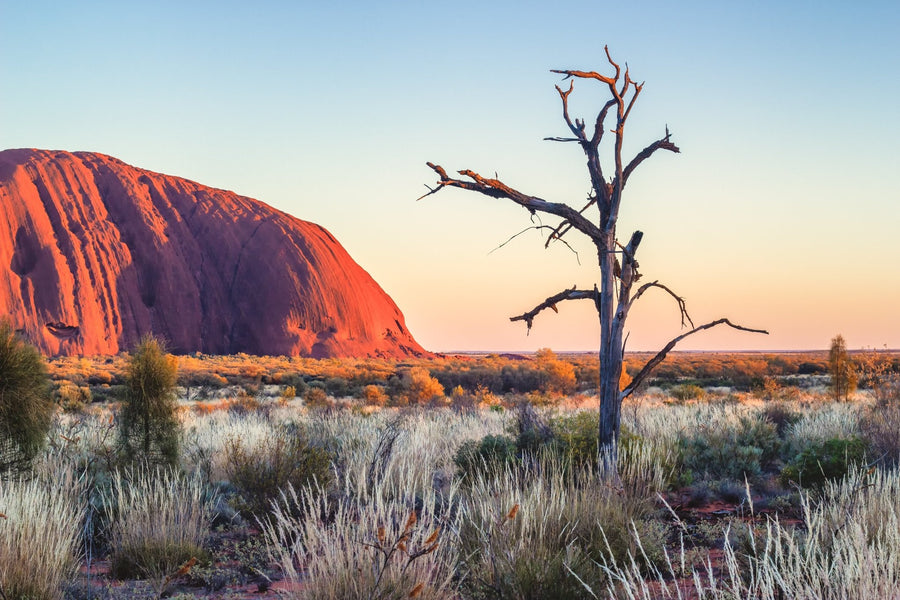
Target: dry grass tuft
39,536
159,520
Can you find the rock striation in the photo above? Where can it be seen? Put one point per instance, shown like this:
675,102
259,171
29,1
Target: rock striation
95,253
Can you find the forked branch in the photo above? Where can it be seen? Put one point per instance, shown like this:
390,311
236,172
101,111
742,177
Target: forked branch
552,301
497,189
661,355
682,305
563,228
663,143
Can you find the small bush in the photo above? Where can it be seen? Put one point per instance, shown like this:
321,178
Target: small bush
732,452
149,429
244,403
828,461
421,387
374,395
73,398
489,453
337,387
687,391
26,403
288,393
316,397
260,472
532,431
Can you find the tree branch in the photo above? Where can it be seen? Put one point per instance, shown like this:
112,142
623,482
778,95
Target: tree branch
578,127
682,306
660,144
497,189
661,355
598,126
585,75
549,239
564,227
552,301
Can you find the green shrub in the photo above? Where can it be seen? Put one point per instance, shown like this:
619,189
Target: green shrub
577,436
531,430
488,453
260,472
826,461
337,387
732,452
26,403
149,429
687,391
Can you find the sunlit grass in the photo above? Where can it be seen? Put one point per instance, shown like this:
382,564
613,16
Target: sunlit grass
39,535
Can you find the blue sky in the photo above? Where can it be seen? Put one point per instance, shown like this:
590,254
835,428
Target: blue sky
781,211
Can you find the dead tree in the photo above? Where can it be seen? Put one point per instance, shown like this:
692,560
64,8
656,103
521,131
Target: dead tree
618,264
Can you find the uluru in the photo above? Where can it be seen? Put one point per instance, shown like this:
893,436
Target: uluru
95,253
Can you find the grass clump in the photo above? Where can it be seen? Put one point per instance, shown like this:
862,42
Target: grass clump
543,530
26,402
384,544
262,469
158,521
39,537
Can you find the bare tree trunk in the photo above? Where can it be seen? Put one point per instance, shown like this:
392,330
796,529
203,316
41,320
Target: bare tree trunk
610,359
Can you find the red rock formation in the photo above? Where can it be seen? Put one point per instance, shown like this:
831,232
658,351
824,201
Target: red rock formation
95,253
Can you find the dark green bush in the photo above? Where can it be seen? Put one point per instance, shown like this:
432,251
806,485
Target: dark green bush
149,429
732,453
491,452
260,472
825,461
338,387
577,436
26,402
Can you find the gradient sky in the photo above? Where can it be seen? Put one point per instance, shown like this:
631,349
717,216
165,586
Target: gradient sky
782,211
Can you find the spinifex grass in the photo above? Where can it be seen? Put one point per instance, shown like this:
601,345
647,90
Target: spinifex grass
159,520
848,547
385,545
39,535
564,520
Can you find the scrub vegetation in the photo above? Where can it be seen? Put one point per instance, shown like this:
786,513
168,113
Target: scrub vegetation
739,475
